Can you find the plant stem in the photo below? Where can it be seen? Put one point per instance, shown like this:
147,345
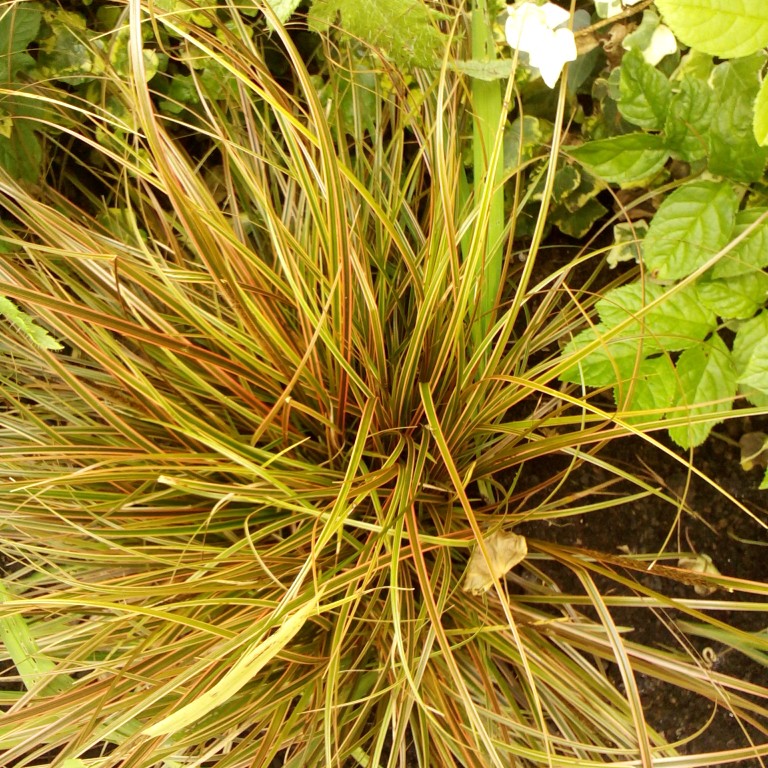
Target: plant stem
487,104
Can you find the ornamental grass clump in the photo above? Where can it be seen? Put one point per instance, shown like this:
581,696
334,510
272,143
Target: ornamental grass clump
240,503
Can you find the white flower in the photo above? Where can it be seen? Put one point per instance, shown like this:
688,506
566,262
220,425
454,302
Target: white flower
537,30
662,44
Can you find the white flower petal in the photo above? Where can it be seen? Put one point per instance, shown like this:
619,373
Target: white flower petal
531,29
551,64
526,29
565,43
663,43
550,71
554,15
523,21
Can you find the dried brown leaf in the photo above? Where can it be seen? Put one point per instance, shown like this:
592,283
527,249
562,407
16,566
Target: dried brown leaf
505,550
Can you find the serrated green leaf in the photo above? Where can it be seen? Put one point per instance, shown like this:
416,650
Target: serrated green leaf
644,92
679,321
725,28
707,385
690,227
760,120
653,389
749,336
404,30
736,298
498,69
751,253
613,360
628,160
284,9
690,114
750,354
181,92
733,151
36,334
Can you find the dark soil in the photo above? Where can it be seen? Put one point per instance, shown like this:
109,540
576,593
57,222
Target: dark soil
712,525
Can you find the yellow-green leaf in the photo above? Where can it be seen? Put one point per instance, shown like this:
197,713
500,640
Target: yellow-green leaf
760,119
242,671
725,28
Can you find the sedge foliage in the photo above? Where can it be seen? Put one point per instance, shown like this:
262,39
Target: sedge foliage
241,500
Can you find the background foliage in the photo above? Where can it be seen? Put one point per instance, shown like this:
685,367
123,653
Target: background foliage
285,353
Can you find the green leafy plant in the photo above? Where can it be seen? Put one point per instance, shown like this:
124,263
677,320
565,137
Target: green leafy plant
665,343
242,500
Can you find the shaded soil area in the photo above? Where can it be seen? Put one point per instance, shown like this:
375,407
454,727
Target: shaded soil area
706,522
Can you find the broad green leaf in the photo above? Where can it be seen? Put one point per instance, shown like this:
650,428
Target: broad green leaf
724,28
21,155
576,223
653,389
181,92
357,97
736,298
19,25
567,180
404,30
707,385
733,151
586,192
528,131
120,58
750,354
612,361
679,321
284,9
760,121
628,160
185,9
65,54
751,253
690,227
645,93
695,64
690,114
